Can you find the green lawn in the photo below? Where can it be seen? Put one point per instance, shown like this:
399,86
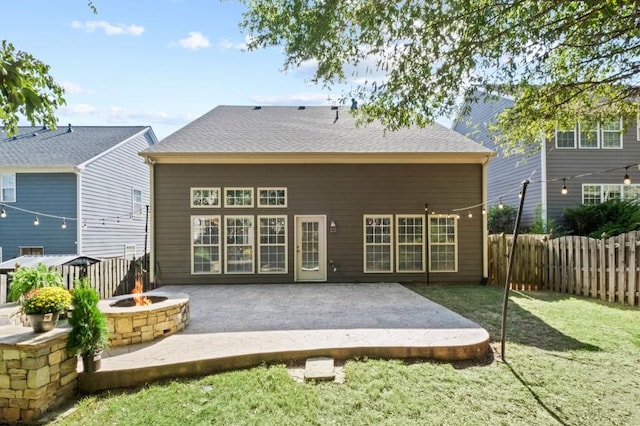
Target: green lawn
569,361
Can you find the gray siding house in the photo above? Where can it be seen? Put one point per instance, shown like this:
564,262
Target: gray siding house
590,164
74,190
293,194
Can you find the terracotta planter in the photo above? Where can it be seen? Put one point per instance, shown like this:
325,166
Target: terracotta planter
92,362
43,322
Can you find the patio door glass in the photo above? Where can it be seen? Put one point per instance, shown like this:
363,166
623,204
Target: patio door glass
311,248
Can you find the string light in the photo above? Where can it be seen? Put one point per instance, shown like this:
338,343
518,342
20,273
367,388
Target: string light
3,214
64,223
36,221
84,225
627,179
500,205
564,187
470,215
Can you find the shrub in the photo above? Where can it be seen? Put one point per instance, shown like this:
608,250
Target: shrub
46,300
610,218
89,332
501,220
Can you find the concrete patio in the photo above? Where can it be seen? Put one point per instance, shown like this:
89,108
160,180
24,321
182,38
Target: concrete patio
240,326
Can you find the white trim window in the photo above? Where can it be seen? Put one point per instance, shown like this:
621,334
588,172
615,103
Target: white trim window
589,136
205,197
239,244
378,243
238,197
31,251
272,197
272,244
130,252
7,187
611,134
443,243
137,206
205,245
410,243
596,193
566,139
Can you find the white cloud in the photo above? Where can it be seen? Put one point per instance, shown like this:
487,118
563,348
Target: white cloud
109,29
121,116
226,44
73,88
78,109
195,41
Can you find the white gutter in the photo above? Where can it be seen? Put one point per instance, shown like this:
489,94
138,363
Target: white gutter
485,226
152,252
79,216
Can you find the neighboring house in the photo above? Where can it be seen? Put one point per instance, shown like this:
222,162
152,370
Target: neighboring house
293,194
591,164
74,190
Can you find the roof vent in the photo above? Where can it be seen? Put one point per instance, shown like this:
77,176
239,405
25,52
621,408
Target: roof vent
257,107
301,107
334,108
69,129
44,127
354,104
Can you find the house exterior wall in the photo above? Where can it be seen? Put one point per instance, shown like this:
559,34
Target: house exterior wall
18,229
106,198
341,192
573,163
505,174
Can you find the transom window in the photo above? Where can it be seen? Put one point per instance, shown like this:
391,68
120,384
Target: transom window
410,245
443,236
272,246
599,193
7,187
378,243
239,243
205,197
205,245
272,197
238,197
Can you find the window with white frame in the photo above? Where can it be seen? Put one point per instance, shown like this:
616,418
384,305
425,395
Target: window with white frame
205,197
566,138
238,197
130,251
588,135
611,134
272,244
7,187
599,193
205,245
378,243
443,243
272,197
137,207
239,244
410,243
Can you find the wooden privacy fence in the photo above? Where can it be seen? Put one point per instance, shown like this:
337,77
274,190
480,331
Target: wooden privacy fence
605,269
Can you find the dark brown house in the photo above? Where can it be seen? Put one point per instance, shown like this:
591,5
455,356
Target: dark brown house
293,194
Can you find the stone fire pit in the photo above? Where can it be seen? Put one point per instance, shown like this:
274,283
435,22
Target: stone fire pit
128,324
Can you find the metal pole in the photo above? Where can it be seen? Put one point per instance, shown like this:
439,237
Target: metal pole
507,284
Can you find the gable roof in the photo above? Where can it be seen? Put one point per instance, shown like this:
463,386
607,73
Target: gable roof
43,147
245,131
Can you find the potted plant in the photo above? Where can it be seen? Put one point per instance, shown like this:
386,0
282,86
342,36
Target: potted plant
43,306
89,333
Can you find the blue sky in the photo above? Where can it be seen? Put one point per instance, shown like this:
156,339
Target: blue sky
161,63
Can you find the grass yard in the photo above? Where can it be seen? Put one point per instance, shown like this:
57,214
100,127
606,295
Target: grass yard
569,360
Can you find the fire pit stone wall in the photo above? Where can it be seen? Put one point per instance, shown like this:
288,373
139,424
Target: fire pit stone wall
138,324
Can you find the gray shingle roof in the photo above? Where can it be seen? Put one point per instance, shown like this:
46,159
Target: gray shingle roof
38,147
278,129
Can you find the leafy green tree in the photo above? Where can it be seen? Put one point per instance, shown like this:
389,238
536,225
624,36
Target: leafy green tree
608,219
561,61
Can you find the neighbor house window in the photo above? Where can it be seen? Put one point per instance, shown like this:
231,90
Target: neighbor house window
410,243
378,243
30,251
272,244
272,197
239,243
611,134
599,193
205,245
443,243
205,197
238,197
589,135
137,207
7,187
130,251
566,138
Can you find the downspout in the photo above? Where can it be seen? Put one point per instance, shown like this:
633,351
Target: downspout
543,180
151,217
79,213
485,226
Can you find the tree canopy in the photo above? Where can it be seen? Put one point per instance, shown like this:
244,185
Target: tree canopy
560,61
27,89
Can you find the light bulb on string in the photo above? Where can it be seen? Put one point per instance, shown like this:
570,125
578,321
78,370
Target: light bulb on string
564,187
36,221
484,211
500,205
470,215
64,223
3,214
627,179
84,225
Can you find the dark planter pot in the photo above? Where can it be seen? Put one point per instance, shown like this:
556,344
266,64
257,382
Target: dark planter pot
92,362
43,322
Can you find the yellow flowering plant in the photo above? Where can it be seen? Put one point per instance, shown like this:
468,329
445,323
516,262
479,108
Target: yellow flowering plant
46,300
